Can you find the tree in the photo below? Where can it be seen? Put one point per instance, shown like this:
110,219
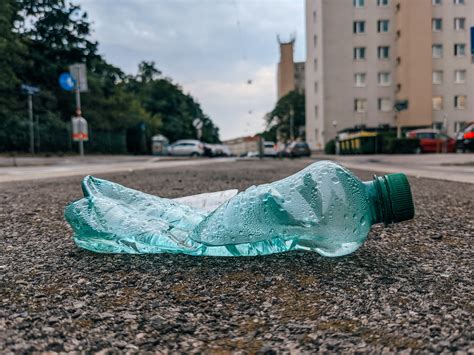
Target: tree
39,40
147,71
161,97
279,119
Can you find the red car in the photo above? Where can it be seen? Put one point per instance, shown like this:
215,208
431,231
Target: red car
432,141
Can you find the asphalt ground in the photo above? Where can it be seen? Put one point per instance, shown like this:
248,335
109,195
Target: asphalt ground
410,286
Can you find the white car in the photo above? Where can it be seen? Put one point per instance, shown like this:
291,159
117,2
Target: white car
187,147
269,149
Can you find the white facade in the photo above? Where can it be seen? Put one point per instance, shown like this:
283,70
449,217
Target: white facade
352,57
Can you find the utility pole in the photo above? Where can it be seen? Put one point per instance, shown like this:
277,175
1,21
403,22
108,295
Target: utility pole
30,91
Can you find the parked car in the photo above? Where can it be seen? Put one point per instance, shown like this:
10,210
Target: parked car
269,149
465,139
432,141
298,149
187,147
217,150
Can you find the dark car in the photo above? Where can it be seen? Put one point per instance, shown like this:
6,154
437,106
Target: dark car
432,141
298,149
465,139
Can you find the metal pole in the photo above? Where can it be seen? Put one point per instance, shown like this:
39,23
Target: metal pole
32,133
38,141
78,113
292,135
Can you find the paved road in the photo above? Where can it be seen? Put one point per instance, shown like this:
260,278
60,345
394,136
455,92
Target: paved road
409,287
450,167
92,166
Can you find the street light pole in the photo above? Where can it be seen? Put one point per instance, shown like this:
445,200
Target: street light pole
30,114
292,134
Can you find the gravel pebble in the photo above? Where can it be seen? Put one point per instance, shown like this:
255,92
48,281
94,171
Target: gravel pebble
408,289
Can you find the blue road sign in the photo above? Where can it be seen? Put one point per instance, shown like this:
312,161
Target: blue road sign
66,81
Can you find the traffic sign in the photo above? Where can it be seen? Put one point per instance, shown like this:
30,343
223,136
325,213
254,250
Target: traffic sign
197,123
79,74
29,90
80,132
66,81
401,105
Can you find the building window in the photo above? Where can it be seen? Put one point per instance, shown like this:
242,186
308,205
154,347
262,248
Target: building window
360,105
359,27
459,76
459,49
359,3
437,50
460,102
382,2
314,16
385,104
436,2
383,52
436,125
437,103
437,24
315,40
458,2
382,26
359,79
459,23
316,87
359,53
459,126
384,79
316,111
438,77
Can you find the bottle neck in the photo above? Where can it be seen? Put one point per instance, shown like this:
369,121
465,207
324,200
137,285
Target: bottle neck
381,210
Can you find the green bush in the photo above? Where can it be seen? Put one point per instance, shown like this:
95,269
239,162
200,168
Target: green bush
400,145
330,147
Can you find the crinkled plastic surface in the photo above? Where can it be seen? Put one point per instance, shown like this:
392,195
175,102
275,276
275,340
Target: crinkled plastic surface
322,208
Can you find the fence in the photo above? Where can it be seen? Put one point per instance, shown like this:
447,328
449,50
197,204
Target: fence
53,135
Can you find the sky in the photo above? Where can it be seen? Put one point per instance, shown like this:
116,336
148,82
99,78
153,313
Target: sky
211,48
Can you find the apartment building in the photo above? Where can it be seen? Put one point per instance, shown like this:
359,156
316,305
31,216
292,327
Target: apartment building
364,56
290,74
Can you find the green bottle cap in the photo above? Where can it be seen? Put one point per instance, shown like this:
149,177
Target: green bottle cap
396,201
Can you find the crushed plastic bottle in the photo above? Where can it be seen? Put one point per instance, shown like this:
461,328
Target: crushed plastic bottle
322,208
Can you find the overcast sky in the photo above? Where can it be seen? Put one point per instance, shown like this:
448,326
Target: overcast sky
210,47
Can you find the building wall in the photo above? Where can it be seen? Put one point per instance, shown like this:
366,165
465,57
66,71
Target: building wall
414,72
243,145
299,76
449,63
286,70
331,68
312,81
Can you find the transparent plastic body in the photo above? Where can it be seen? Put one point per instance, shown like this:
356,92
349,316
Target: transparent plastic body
322,208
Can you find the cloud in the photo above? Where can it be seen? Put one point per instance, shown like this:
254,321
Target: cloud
210,47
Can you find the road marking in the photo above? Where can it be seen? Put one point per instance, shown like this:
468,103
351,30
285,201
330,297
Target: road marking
47,172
